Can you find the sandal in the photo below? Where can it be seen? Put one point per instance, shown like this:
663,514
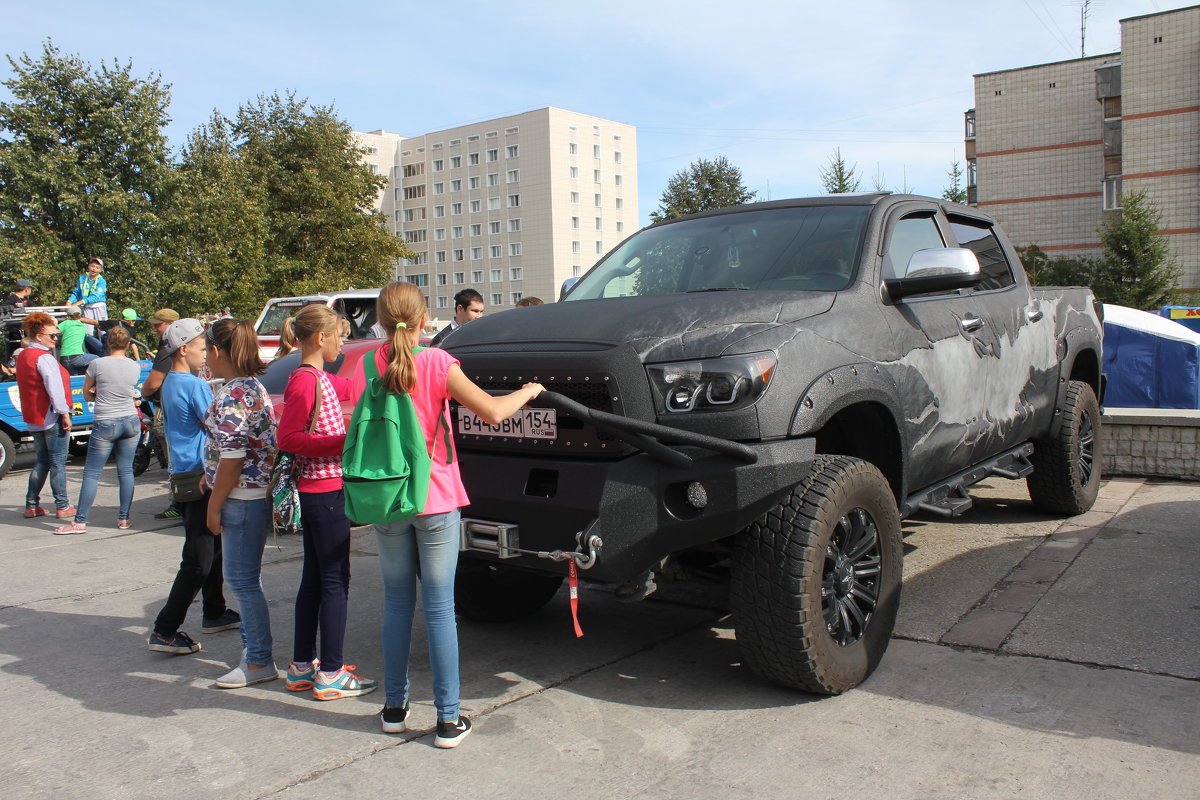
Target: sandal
123,524
72,527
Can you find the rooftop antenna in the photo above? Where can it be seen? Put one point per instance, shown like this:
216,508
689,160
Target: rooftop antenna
1085,9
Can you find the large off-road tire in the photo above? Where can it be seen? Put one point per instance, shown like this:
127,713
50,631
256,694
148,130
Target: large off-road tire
486,592
1066,469
8,452
816,580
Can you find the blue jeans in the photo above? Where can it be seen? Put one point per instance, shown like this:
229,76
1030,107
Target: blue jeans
77,365
433,540
246,523
120,435
51,448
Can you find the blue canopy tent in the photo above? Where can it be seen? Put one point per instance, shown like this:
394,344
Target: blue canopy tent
1151,362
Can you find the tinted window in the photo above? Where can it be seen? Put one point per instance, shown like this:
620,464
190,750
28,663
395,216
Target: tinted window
913,233
278,371
272,321
977,236
804,249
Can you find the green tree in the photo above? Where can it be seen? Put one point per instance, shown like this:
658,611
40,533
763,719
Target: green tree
1044,270
955,192
1138,270
277,202
703,186
84,168
838,178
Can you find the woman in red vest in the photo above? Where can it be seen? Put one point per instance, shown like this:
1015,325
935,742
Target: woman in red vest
45,391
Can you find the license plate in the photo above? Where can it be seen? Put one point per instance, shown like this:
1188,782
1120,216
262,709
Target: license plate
528,423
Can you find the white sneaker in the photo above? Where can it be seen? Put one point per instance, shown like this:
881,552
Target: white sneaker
243,675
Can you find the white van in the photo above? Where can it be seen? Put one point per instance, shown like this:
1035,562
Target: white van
356,305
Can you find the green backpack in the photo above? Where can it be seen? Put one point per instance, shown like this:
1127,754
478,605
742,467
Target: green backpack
385,464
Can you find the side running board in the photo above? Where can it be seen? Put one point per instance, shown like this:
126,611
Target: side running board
950,498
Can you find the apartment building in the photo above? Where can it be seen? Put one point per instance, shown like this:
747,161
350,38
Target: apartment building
1050,148
510,207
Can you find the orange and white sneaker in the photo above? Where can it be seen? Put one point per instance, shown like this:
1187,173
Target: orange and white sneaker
342,683
301,680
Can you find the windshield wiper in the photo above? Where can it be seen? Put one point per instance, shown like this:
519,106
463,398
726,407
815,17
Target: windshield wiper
719,289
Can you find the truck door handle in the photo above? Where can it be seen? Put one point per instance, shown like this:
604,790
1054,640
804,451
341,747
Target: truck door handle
971,323
1034,315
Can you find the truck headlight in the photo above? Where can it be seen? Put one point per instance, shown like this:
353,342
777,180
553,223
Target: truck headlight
711,384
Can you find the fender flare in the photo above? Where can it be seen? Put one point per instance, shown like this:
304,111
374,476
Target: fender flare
1076,341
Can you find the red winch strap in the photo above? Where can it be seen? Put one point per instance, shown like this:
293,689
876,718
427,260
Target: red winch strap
573,580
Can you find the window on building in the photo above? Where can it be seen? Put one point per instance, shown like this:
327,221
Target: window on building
439,234
476,229
456,208
497,251
512,151
576,270
440,256
497,275
620,203
596,175
514,175
597,199
442,279
574,197
497,299
455,162
595,151
620,227
460,277
514,249
494,226
493,204
574,222
399,193
439,188
493,179
516,297
1112,194
599,246
413,214
514,273
514,200
573,149
415,236
458,255
617,179
514,225
476,206
456,232
477,276
443,301
474,181
413,192
617,156
473,158
439,211
493,155
421,279
413,170
599,223
456,185
476,253
575,247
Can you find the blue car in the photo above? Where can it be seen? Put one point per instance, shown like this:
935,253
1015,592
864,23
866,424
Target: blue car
14,432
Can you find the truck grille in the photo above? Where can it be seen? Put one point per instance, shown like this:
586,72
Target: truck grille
594,395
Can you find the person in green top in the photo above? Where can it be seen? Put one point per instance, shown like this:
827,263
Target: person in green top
72,346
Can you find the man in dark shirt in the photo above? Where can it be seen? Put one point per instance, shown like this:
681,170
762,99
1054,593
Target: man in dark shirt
468,305
20,297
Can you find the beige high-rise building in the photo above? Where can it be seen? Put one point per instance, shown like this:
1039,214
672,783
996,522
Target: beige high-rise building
1050,148
510,207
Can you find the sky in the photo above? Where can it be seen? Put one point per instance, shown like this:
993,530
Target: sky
773,85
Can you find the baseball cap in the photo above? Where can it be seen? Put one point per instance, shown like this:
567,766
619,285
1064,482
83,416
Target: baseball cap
129,315
24,284
167,315
180,333
74,311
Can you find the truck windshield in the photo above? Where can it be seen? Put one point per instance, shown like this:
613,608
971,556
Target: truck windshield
807,248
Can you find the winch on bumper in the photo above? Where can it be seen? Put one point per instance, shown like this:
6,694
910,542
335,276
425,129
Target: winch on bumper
643,507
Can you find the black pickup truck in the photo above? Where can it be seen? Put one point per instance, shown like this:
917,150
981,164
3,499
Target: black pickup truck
770,389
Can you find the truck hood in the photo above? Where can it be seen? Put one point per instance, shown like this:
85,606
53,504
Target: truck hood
657,327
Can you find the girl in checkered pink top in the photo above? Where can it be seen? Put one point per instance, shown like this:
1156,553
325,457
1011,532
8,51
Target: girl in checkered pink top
316,434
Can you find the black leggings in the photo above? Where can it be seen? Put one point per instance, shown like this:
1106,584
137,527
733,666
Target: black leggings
323,596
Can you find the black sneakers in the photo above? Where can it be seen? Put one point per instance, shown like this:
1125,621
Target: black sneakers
393,719
228,620
451,734
178,643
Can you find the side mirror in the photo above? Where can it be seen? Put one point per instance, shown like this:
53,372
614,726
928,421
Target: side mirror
937,269
566,287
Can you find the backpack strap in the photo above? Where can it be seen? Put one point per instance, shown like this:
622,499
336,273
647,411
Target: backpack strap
443,424
312,423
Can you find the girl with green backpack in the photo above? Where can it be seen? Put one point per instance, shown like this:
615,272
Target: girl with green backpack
429,377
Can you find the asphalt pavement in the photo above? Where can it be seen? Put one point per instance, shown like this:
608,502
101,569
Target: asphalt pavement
1033,657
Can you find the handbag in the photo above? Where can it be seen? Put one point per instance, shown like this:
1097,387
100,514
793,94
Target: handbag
186,486
282,488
